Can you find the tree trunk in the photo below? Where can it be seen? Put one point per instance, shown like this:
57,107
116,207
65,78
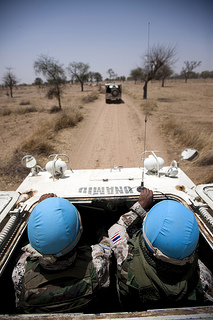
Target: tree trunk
59,102
82,86
59,97
11,91
163,82
145,89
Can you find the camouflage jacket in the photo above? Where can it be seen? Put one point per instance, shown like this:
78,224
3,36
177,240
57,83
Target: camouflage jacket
129,223
99,265
147,282
66,290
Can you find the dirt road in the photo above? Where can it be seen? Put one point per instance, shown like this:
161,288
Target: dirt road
110,134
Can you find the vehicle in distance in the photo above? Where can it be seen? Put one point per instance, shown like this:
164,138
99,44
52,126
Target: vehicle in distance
113,92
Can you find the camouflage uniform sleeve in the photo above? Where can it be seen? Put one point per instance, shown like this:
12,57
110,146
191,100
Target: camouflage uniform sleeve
118,232
206,279
101,254
135,214
18,275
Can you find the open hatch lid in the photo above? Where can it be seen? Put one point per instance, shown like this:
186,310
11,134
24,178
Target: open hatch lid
205,191
7,201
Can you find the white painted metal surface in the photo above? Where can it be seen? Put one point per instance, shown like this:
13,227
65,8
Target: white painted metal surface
106,183
83,186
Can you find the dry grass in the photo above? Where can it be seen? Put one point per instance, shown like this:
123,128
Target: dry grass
183,113
41,143
41,136
184,116
185,136
4,111
24,103
90,97
67,120
148,107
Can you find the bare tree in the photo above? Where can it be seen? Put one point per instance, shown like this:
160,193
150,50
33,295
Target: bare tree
154,59
189,66
10,80
111,74
79,71
55,75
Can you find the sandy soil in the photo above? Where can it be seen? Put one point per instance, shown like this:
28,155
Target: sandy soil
110,134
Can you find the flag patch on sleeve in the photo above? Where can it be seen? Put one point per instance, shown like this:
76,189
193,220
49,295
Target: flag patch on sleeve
116,238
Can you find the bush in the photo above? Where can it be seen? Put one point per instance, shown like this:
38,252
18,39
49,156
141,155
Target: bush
55,109
67,120
90,98
13,167
5,111
26,110
24,103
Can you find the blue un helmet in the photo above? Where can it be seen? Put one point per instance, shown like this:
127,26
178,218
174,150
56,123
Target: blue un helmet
171,228
54,226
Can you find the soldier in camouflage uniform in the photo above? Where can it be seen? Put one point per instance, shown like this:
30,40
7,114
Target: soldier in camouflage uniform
55,273
147,277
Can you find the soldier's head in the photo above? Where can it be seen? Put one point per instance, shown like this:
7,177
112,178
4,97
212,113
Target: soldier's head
54,226
171,232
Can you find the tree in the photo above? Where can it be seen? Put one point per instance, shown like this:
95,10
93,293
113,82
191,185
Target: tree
97,76
38,82
163,73
10,80
79,72
206,74
55,75
155,58
123,78
136,74
189,66
111,74
90,77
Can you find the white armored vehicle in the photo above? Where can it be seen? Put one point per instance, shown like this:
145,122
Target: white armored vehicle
102,196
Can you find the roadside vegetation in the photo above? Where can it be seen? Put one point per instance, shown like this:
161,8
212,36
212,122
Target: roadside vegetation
39,143
31,124
43,135
184,116
193,139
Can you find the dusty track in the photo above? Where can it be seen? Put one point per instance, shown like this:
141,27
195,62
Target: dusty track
111,134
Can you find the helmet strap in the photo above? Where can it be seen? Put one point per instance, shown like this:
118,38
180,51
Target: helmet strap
160,255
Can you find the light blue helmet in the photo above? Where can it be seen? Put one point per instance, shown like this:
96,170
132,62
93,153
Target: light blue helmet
171,228
54,226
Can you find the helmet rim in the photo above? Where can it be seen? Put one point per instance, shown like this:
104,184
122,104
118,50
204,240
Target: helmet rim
171,228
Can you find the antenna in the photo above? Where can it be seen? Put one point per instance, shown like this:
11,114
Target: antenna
141,187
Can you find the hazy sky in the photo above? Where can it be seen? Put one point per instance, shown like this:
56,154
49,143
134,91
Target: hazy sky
104,33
